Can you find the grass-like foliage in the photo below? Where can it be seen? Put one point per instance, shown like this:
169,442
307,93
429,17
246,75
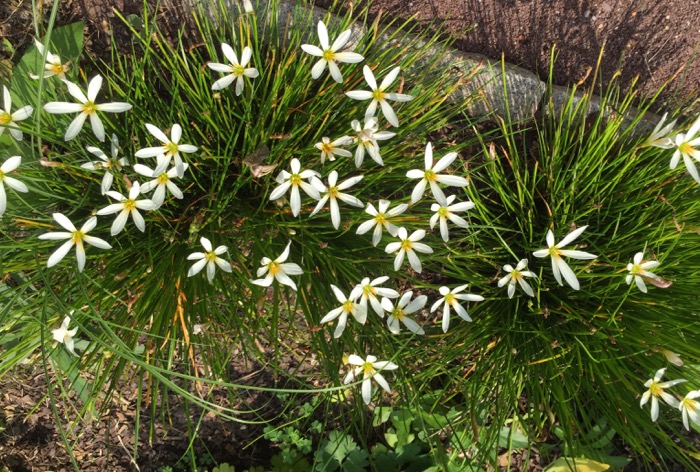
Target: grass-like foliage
567,357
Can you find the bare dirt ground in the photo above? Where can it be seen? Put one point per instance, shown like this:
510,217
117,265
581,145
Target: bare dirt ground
652,39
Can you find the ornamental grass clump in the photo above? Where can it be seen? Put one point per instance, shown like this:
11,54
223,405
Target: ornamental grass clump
547,354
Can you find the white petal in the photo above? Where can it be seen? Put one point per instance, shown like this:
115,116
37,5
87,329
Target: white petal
60,253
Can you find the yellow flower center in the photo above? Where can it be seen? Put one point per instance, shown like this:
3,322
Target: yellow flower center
636,269
2,175
516,275
554,252
129,204
348,305
163,178
89,107
369,292
5,118
210,256
689,404
295,179
686,148
328,55
170,149
406,244
430,176
450,299
443,212
380,219
368,369
60,69
237,70
77,236
327,148
656,389
378,95
333,192
273,268
398,313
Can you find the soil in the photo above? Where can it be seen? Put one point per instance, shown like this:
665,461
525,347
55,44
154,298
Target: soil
654,40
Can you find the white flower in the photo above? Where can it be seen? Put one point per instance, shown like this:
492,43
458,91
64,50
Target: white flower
690,408
9,120
656,390
379,96
127,206
369,369
366,139
162,179
348,306
430,176
447,212
660,137
235,70
333,193
171,148
685,146
210,258
330,149
398,313
517,276
381,220
279,270
108,163
8,166
329,55
409,246
64,335
370,291
248,6
75,237
53,64
449,299
294,180
86,108
559,267
638,271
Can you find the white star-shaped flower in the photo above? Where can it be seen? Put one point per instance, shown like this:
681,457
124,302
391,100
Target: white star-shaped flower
399,313
690,408
450,299
430,176
329,53
369,369
333,193
408,246
64,335
366,139
8,166
660,137
348,306
656,390
278,270
53,64
517,276
86,108
330,148
639,273
294,180
235,70
686,144
9,120
171,148
559,266
379,96
75,237
210,258
381,220
107,163
370,291
162,180
447,212
127,206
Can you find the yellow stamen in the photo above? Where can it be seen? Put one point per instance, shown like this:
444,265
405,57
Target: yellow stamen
368,369
443,212
170,149
333,192
348,305
163,178
295,179
237,70
327,148
5,118
380,219
89,108
398,313
129,204
210,256
274,268
328,55
686,148
430,176
406,244
77,236
378,95
656,389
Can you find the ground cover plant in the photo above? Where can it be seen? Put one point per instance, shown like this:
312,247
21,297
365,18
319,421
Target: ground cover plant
441,289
